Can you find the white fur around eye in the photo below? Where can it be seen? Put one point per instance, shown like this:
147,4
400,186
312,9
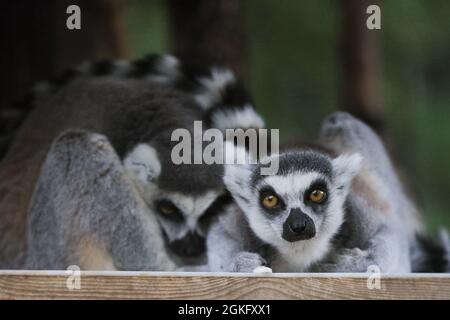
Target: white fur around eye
142,163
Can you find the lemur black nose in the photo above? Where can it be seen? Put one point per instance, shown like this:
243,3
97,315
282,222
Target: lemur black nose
298,226
191,245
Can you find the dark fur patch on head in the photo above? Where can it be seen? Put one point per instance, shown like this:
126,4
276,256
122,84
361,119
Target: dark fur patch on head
192,179
164,111
305,161
300,161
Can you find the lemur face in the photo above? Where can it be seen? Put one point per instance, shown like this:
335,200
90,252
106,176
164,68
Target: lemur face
302,202
185,198
185,219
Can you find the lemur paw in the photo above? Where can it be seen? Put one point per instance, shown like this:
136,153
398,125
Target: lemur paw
262,270
352,260
247,262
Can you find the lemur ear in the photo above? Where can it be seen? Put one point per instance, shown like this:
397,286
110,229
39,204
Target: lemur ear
237,173
142,163
346,166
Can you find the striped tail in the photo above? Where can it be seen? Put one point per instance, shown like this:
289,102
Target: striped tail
226,102
432,254
220,94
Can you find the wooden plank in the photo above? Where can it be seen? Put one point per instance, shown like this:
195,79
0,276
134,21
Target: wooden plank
151,285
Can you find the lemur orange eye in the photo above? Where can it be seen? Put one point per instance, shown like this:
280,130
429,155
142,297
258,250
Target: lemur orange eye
270,201
317,196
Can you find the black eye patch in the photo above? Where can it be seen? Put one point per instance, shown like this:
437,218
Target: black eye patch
318,184
167,209
266,191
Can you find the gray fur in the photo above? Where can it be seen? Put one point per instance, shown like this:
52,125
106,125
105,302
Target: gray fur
84,204
230,240
381,221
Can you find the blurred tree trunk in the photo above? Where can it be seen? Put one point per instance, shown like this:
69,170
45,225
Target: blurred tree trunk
209,31
361,65
36,44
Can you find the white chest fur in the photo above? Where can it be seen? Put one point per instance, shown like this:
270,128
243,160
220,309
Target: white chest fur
299,256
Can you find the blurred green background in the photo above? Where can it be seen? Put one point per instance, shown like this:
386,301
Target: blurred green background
295,69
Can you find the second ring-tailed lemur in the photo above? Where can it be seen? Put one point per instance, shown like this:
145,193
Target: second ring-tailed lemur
96,151
337,211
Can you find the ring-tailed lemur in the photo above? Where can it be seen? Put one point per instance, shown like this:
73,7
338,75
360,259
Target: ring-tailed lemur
320,212
84,210
286,220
